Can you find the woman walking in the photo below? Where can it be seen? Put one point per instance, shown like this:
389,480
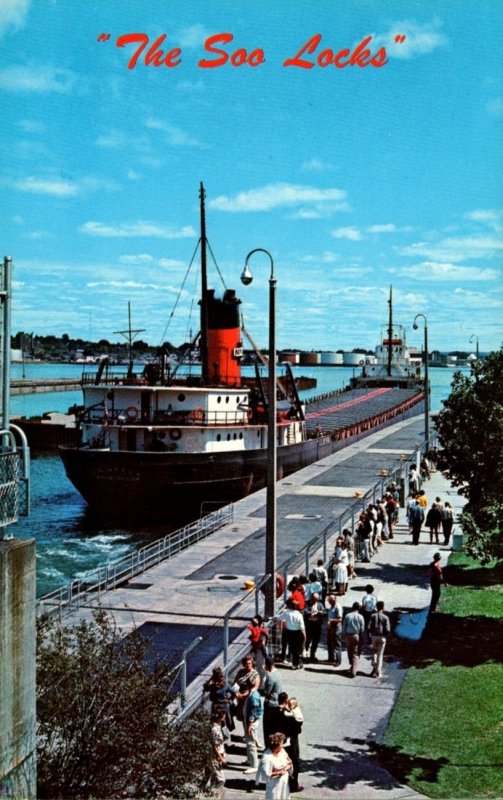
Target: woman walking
274,769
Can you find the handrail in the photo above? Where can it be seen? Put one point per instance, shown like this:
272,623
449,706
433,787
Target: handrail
147,556
111,575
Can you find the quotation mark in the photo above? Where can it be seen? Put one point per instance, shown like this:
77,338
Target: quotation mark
103,37
399,38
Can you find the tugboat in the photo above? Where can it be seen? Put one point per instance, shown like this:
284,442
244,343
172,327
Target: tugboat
153,445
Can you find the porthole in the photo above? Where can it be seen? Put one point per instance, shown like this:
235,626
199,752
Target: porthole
227,399
237,399
181,397
218,437
228,437
234,436
240,435
219,399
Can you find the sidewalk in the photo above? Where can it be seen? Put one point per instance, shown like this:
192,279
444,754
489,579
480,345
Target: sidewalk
343,718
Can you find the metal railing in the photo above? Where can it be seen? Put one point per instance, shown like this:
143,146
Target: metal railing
109,576
14,477
249,604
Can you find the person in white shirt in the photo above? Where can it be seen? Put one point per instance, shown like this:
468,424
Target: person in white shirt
295,632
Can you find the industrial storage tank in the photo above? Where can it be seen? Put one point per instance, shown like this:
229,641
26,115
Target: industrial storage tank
292,358
353,359
312,359
330,357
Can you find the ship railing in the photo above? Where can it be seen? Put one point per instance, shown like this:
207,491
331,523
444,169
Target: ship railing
109,576
101,414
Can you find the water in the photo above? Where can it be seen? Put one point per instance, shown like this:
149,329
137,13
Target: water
69,541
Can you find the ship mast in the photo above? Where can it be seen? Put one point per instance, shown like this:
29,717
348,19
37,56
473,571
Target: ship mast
390,329
204,293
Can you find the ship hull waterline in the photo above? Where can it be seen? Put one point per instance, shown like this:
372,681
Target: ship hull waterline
170,487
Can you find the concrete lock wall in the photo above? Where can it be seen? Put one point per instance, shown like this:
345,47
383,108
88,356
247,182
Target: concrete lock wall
17,669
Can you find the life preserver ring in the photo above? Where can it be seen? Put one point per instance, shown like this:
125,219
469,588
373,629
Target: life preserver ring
280,586
197,415
175,434
249,413
131,413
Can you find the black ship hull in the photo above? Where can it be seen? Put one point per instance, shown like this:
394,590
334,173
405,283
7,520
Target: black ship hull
179,487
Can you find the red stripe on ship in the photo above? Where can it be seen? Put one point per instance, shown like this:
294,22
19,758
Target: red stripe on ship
364,399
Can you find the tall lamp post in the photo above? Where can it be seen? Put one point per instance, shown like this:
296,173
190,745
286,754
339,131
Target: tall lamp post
472,337
272,455
426,381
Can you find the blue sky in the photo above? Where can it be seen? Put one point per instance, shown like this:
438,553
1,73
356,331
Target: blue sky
353,178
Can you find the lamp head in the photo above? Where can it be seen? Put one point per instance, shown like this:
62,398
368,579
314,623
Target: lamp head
246,276
415,326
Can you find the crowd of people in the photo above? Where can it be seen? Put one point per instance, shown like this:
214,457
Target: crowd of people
255,698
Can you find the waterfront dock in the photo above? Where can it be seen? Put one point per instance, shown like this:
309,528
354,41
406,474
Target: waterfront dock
36,386
187,596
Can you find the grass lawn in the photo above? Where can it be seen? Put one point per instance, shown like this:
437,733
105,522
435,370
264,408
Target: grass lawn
445,737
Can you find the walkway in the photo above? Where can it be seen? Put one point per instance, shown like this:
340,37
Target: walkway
343,717
185,596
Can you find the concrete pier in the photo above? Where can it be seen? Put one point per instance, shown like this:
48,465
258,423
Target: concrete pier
44,385
17,669
188,595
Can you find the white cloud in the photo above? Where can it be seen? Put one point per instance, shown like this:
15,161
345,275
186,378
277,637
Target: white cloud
140,228
54,187
174,134
491,217
317,165
276,195
320,210
495,107
452,249
353,234
131,175
191,37
122,285
113,139
60,187
141,258
389,228
13,14
32,126
171,263
40,79
420,40
440,271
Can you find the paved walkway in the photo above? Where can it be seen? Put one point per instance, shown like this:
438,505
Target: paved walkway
185,597
343,717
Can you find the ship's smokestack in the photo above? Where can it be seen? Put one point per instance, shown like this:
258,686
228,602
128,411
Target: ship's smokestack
224,340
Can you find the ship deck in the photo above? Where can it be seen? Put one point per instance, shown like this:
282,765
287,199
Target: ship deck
333,412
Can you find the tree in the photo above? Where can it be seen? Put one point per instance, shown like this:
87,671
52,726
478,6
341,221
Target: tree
470,429
103,727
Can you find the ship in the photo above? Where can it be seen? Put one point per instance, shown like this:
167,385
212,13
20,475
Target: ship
156,444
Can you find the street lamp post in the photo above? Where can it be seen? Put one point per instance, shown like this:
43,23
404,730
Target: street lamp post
472,337
272,454
426,381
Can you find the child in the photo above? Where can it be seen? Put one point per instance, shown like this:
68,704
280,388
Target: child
258,636
293,710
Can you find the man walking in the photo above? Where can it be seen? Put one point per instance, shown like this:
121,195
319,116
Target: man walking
252,715
436,581
295,632
416,520
379,629
353,628
334,630
271,691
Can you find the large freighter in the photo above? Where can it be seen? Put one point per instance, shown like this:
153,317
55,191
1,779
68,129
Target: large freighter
153,445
